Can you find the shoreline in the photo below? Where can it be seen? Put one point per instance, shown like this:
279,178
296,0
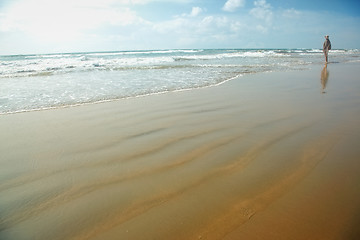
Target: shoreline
39,95
141,96
266,155
122,98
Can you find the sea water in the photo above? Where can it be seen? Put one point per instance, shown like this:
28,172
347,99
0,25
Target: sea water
44,81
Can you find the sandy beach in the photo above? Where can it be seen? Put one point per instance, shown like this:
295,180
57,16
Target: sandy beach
264,156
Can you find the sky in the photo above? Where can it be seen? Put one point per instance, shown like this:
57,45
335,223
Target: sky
54,26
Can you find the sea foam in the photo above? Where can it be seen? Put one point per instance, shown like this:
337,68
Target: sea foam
30,82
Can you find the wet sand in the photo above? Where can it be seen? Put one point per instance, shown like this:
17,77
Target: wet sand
264,156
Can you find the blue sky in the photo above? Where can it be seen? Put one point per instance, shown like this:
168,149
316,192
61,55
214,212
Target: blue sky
47,26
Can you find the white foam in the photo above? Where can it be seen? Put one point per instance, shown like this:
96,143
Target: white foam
48,81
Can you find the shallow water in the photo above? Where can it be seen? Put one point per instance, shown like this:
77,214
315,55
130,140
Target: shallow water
31,82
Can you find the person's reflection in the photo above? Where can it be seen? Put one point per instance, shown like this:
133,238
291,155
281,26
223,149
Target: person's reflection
324,78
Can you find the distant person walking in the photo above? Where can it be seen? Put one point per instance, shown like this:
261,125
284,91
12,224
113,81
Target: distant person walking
326,47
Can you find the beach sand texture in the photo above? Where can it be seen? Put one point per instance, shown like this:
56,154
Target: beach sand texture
264,156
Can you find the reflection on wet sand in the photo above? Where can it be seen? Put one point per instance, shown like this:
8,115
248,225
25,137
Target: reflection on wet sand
324,78
253,158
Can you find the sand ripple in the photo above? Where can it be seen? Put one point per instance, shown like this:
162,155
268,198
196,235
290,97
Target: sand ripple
189,165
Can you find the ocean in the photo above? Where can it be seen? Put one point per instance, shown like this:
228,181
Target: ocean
46,81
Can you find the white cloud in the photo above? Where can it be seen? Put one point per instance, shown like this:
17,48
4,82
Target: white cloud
195,11
291,13
203,32
233,5
261,28
61,20
262,11
149,1
88,25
